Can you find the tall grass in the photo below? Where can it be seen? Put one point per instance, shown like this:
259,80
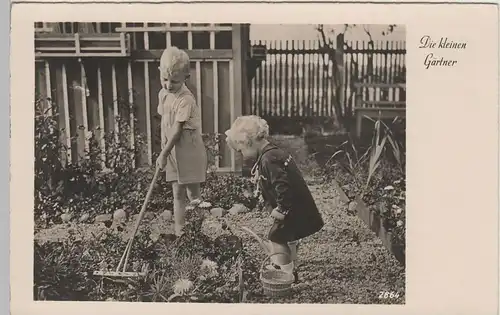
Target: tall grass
383,142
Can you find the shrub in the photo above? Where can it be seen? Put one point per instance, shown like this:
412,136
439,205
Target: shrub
224,190
100,181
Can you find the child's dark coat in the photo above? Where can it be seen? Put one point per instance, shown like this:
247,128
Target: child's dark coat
282,185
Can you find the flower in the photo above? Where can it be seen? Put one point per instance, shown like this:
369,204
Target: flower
247,194
205,204
189,208
397,209
389,187
182,286
399,223
209,268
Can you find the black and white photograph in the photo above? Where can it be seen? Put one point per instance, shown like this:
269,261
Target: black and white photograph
220,163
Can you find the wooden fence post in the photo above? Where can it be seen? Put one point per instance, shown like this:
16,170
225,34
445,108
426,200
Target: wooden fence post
238,102
340,89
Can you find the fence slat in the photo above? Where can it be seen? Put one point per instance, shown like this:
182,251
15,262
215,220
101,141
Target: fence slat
303,105
100,104
131,108
286,82
260,103
148,112
264,87
364,70
207,95
67,128
116,114
48,88
190,37
280,84
216,106
297,84
199,99
324,99
319,81
310,82
224,113
231,98
84,88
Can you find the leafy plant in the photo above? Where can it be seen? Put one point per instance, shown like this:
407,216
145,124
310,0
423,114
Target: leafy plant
212,144
48,147
89,182
224,190
376,150
376,176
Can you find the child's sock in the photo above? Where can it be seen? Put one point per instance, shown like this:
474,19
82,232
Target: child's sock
293,249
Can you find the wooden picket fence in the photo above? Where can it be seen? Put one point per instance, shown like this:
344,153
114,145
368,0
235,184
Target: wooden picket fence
384,62
95,91
295,79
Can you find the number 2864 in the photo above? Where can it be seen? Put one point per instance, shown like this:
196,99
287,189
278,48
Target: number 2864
388,295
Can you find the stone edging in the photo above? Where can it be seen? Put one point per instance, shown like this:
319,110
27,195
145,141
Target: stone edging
374,222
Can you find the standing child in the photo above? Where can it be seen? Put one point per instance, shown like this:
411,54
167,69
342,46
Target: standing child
283,189
183,155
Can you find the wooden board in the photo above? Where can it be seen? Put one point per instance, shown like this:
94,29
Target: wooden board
224,112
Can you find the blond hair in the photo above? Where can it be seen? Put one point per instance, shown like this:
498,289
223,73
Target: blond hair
173,62
247,129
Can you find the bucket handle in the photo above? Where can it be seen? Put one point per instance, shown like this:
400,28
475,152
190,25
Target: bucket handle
268,258
261,242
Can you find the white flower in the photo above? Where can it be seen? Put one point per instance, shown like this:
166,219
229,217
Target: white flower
182,286
389,188
205,204
247,194
189,208
397,209
209,268
399,223
195,202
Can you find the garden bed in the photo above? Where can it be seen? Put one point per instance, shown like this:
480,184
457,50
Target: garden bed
343,263
371,179
375,222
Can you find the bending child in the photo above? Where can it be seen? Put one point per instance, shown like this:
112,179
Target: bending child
282,186
183,156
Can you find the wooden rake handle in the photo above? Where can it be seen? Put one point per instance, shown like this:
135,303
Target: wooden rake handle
128,249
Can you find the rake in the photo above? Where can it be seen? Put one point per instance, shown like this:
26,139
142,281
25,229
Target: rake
124,259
